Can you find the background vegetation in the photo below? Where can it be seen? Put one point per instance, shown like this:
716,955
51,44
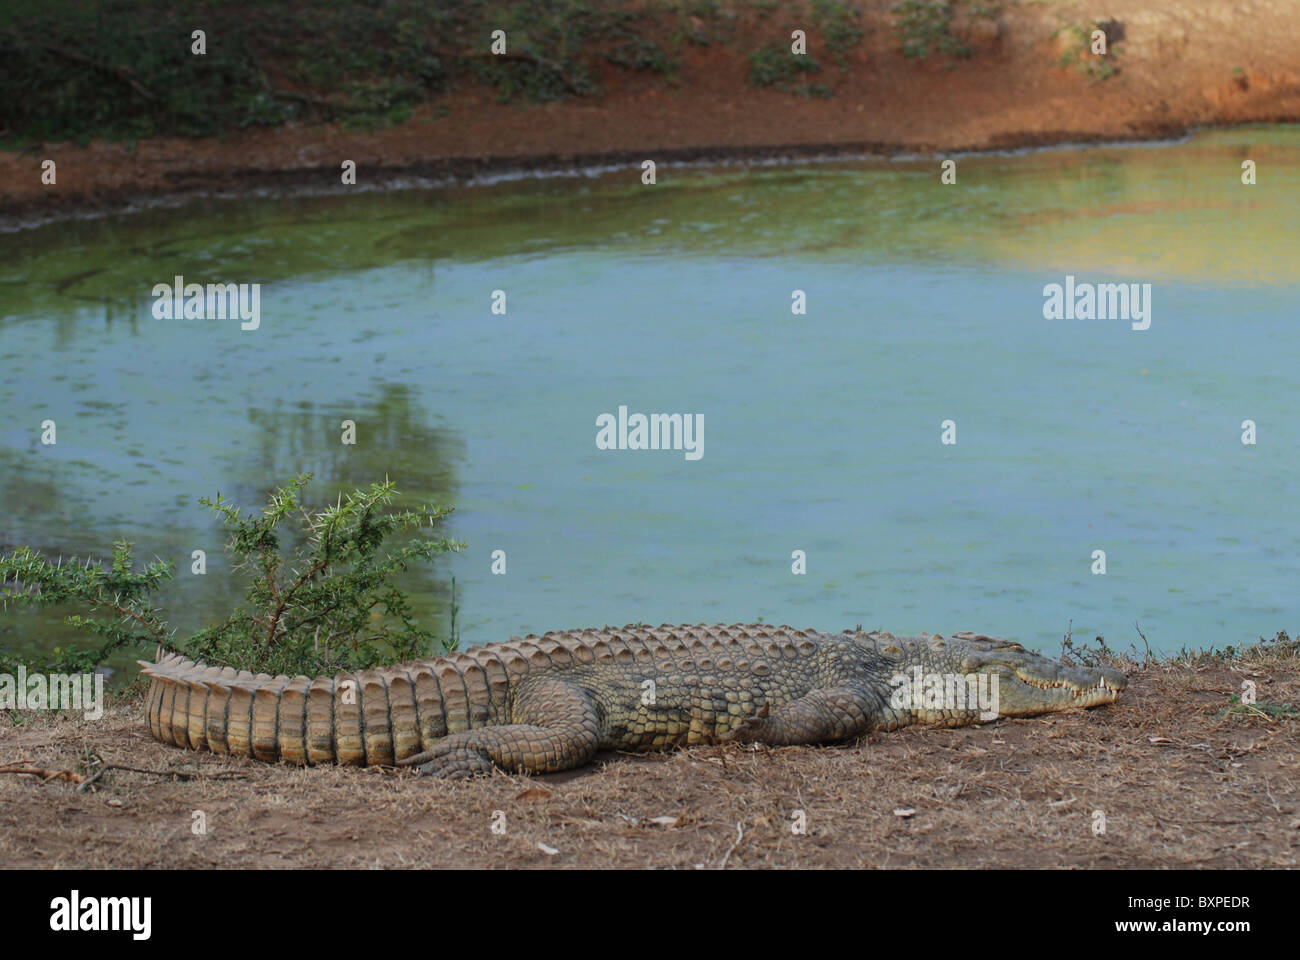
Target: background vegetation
123,69
318,599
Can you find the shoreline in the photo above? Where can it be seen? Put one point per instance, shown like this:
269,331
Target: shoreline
1177,66
465,172
476,171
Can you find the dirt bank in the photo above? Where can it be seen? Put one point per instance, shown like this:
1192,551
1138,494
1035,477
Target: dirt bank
1175,783
1174,64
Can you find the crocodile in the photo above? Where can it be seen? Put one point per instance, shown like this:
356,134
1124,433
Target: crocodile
549,703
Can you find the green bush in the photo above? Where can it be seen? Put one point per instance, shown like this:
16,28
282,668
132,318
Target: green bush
124,69
925,27
838,24
775,66
1078,54
324,605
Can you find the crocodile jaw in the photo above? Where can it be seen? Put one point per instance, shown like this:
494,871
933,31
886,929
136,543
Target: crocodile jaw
1024,693
1029,684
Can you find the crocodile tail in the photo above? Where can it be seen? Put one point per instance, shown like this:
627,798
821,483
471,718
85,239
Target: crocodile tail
367,718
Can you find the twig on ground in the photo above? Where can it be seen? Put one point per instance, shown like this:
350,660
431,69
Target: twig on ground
1147,657
178,774
740,835
45,775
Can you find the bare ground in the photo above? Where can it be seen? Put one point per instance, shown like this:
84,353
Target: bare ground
1182,64
1178,786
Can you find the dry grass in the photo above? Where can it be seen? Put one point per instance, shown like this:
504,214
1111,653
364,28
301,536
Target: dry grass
1179,785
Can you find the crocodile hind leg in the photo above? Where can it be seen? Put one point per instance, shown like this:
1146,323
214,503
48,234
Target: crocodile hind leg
820,716
555,727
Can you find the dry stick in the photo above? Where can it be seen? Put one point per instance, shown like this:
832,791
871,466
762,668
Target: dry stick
84,782
45,775
1147,656
740,835
221,775
102,770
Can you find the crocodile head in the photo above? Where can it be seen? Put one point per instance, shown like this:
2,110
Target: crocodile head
1030,684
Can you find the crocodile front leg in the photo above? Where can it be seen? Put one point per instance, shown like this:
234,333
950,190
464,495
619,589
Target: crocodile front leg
555,728
820,716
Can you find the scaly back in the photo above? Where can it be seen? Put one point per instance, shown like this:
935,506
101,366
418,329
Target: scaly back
380,716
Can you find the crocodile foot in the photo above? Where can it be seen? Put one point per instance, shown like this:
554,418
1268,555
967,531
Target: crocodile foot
460,765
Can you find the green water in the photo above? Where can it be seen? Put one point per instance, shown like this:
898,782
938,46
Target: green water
822,432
